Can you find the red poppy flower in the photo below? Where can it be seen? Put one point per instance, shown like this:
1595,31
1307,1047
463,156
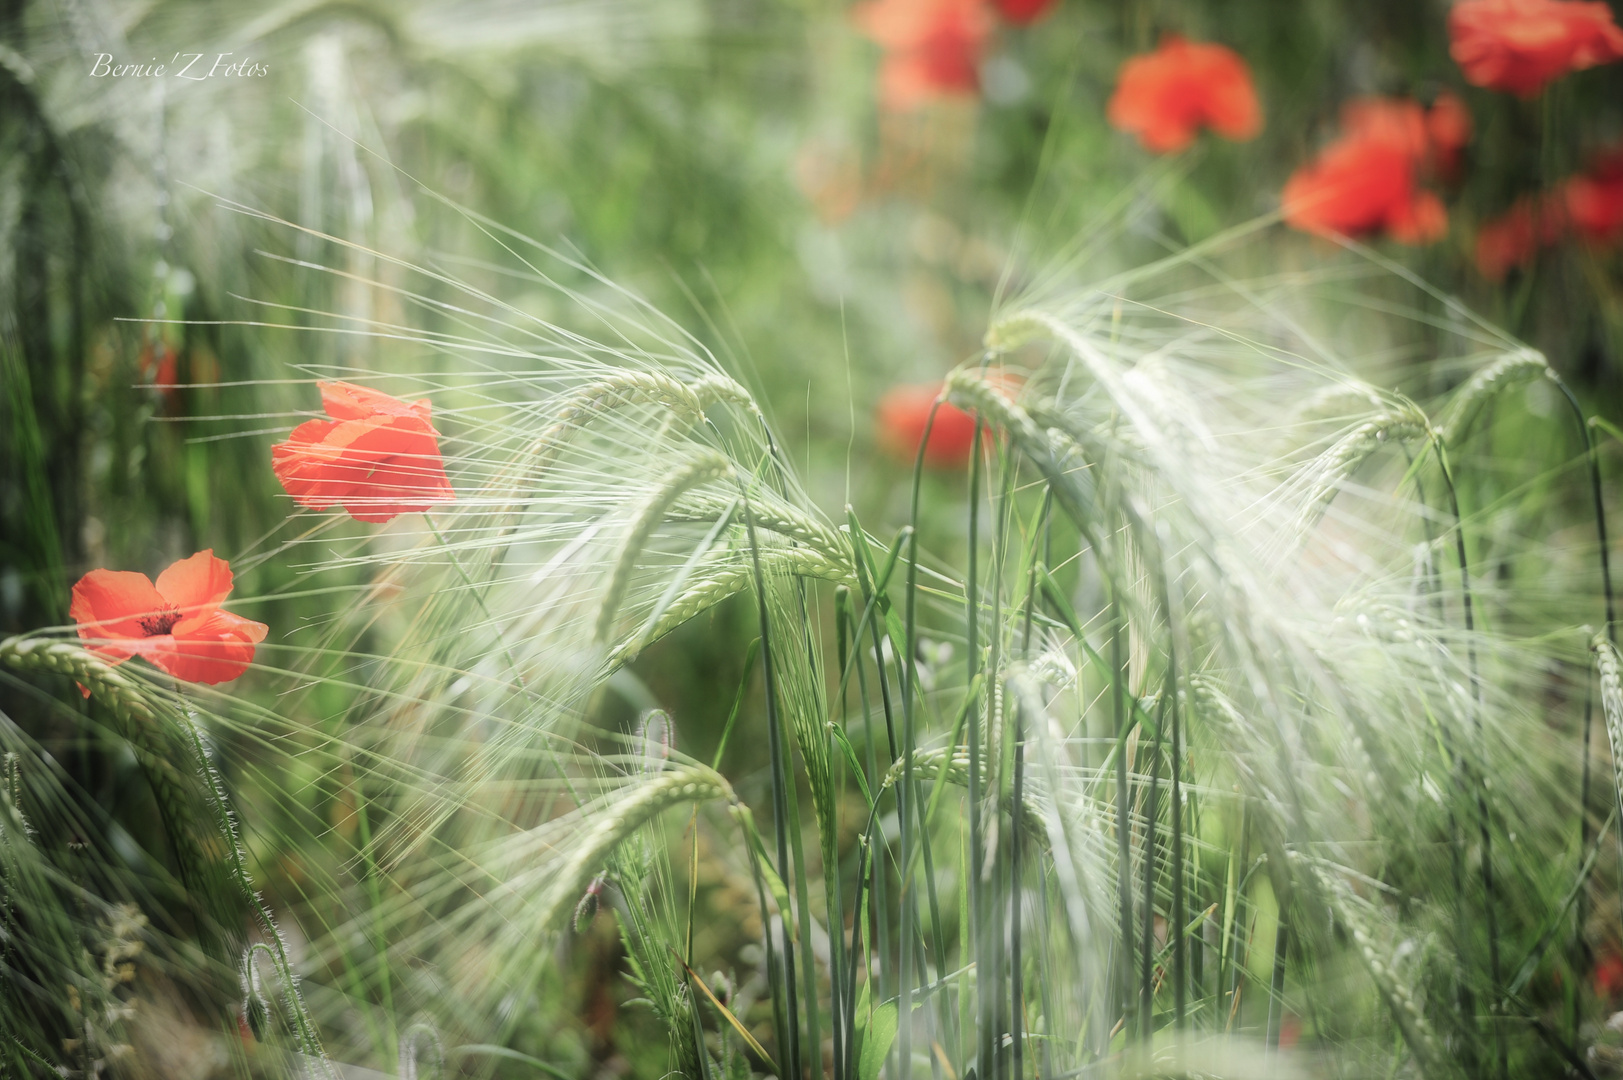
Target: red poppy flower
1608,975
902,414
158,366
378,456
1449,127
1512,239
1023,11
1166,96
176,623
1397,121
1520,46
904,410
1594,200
1367,181
932,48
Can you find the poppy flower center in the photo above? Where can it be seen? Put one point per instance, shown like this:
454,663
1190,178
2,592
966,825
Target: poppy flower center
161,623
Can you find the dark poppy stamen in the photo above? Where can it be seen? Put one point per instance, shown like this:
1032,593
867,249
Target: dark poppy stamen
161,623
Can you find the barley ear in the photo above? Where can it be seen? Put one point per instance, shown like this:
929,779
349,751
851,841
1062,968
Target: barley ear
705,466
1509,370
612,824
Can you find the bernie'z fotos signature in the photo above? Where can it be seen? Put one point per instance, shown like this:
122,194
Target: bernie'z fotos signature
194,67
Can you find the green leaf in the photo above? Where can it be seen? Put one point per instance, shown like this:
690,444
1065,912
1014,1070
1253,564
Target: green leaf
851,759
774,884
726,1013
876,1030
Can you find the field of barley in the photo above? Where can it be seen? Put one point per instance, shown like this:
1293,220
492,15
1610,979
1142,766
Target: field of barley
811,539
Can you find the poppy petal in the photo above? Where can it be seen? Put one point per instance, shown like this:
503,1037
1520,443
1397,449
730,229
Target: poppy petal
111,604
932,47
1165,97
1520,46
347,401
298,464
1419,221
213,649
196,583
399,470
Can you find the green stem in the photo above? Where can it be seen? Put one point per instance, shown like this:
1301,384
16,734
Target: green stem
985,1047
1490,900
1146,976
1124,850
781,813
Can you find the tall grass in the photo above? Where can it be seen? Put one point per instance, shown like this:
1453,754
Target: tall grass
1243,738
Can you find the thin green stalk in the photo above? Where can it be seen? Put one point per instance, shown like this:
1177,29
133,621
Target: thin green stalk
1002,505
836,983
1125,995
831,875
1180,981
1464,999
1017,995
1227,969
985,1048
780,790
1017,998
808,971
912,800
1146,973
881,935
1490,900
874,596
780,1024
1580,945
871,594
906,789
1592,453
1276,985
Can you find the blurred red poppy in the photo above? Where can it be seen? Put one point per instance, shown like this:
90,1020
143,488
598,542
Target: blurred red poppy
1449,127
1167,96
1512,239
932,48
1608,975
903,413
176,623
1023,11
158,366
1520,46
379,456
904,410
1594,200
1398,121
1367,181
